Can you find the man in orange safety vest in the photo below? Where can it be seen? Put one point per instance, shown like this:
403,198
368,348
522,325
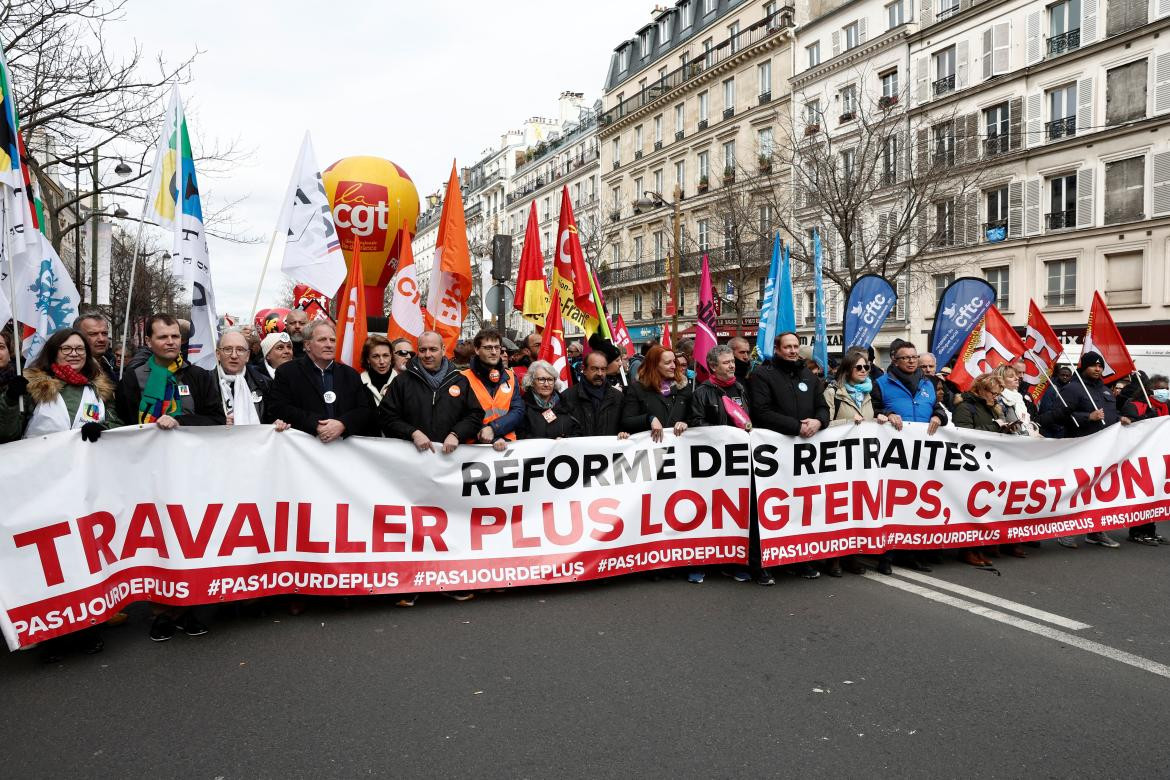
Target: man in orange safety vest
495,388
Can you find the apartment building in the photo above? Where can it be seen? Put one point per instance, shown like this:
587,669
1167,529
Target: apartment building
689,117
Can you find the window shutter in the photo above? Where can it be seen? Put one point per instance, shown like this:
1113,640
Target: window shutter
1032,25
1161,184
923,164
1085,209
1002,42
973,136
900,290
1032,206
1162,81
922,83
1088,21
962,54
1162,10
1085,106
971,207
924,229
987,54
836,42
925,13
1033,125
1015,123
861,31
1015,209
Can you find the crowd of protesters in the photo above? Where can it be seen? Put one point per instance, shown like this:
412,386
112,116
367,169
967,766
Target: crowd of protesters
494,391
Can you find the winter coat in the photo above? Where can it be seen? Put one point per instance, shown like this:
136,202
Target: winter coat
707,403
1080,400
606,420
640,405
44,388
12,420
201,404
972,412
297,396
411,405
780,396
534,425
918,405
842,407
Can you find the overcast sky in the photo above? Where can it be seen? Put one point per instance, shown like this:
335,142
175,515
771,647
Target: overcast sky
417,83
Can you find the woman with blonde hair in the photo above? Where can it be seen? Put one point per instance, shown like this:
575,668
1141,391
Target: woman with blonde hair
1018,408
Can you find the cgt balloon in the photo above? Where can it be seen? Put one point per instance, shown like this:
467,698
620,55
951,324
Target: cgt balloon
371,198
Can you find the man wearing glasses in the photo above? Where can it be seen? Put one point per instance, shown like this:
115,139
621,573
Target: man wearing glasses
495,388
908,395
242,386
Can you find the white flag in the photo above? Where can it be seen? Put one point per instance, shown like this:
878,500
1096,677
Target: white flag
312,251
172,200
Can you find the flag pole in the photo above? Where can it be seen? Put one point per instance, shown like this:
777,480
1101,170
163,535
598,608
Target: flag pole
263,273
16,340
1088,395
130,291
1055,389
1142,385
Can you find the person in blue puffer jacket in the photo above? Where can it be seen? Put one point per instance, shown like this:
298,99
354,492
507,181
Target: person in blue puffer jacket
907,394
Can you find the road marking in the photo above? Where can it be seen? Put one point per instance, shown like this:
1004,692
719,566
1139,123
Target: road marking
1105,651
987,598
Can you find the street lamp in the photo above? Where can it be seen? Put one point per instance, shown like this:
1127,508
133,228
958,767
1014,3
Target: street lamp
650,200
120,213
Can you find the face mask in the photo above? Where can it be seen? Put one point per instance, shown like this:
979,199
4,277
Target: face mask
1162,394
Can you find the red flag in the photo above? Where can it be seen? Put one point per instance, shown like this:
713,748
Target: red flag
992,344
570,276
1043,347
531,287
666,342
451,270
312,302
406,316
621,337
1103,337
552,347
705,324
351,316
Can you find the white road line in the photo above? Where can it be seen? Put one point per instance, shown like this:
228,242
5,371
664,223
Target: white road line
1121,656
987,598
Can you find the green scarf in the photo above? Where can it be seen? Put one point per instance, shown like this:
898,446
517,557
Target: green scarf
161,394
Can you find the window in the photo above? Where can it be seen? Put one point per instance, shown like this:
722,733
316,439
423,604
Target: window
764,76
686,11
659,247
765,214
814,54
703,235
658,131
889,87
704,166
1064,27
1062,283
1062,202
638,141
944,223
545,210
812,113
895,16
664,31
703,106
890,160
680,175
998,278
733,36
1123,278
1124,15
944,144
623,62
848,164
658,180
729,158
644,44
638,306
617,152
615,255
708,52
616,201
576,194
766,142
810,307
852,35
728,97
997,128
1125,93
638,244
708,7
944,71
941,283
848,98
1062,112
1125,193
995,228
947,9
678,121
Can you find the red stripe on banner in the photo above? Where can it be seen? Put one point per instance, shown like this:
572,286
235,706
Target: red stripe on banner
95,604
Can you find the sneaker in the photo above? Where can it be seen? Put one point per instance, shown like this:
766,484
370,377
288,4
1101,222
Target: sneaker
162,629
696,577
1149,541
459,595
740,575
1102,539
1067,541
1160,539
407,601
765,578
806,570
190,625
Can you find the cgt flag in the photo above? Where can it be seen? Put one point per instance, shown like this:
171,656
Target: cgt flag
621,337
406,316
960,308
870,301
1044,348
351,316
1103,337
531,286
451,270
552,346
991,344
570,274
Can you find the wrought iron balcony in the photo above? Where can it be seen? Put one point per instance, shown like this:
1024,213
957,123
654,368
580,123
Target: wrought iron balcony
678,135
1063,43
1060,220
887,101
995,144
1061,128
702,124
944,85
728,113
638,155
765,97
657,145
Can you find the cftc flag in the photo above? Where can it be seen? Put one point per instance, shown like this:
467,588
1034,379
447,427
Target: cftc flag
312,251
172,201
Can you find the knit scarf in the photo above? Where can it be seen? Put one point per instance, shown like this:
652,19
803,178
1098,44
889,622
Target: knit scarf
543,404
858,391
722,382
161,394
69,375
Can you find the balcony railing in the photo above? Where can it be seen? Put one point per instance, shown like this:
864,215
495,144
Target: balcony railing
1065,42
944,85
1060,220
678,135
765,28
702,124
655,313
995,144
637,314
728,113
946,13
765,97
752,254
1061,128
657,145
845,117
887,101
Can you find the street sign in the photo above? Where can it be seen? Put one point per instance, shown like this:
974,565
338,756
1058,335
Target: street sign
499,300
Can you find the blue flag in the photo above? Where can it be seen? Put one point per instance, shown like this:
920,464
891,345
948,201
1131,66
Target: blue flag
960,308
785,302
870,301
767,329
820,350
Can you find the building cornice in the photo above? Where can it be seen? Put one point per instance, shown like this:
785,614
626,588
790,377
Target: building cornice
851,57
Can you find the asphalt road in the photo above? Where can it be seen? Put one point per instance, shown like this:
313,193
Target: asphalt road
849,677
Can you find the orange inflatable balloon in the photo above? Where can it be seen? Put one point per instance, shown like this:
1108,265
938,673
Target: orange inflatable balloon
371,198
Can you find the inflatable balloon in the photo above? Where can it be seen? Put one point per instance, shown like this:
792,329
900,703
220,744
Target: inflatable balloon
270,321
371,198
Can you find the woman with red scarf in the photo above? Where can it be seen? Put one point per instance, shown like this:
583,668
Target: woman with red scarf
69,389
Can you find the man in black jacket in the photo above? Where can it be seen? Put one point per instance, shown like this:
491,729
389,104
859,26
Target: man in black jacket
243,388
318,396
593,402
430,401
165,389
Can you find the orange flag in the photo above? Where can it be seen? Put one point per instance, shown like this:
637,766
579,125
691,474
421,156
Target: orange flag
351,315
406,317
531,288
451,270
552,347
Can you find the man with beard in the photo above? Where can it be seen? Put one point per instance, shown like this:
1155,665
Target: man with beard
741,349
529,351
495,389
294,325
594,402
783,396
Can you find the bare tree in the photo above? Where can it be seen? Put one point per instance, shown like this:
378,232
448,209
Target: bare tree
156,289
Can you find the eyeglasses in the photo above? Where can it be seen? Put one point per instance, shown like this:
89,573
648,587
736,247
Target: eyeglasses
490,347
907,357
72,350
403,353
543,379
861,367
234,350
